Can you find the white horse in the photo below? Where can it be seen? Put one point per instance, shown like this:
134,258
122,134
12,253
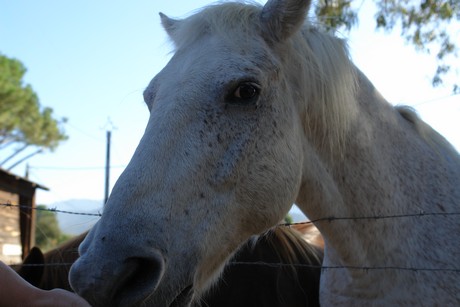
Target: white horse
255,111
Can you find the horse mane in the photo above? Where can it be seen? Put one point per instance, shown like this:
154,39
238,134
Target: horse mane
216,18
289,246
326,85
426,132
275,268
310,233
325,79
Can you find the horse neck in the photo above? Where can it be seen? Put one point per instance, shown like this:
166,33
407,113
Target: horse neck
377,173
385,168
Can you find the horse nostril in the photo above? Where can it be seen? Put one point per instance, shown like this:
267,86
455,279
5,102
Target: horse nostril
125,282
139,278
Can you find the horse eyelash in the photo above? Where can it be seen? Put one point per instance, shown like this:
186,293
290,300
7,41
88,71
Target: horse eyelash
230,100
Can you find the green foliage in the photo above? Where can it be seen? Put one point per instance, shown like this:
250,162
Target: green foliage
288,219
23,121
336,14
47,232
424,24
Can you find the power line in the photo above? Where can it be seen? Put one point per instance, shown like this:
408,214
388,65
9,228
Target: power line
71,168
84,132
434,100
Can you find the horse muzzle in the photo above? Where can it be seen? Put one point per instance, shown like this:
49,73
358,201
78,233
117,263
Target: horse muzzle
128,282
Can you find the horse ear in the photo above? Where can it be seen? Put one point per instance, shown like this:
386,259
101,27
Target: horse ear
169,24
282,18
33,274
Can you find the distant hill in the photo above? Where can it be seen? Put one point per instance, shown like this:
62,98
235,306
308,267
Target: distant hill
74,224
297,215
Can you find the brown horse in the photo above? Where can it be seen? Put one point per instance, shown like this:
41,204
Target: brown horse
51,269
277,268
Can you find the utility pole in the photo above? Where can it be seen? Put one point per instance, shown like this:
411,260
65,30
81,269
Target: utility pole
107,159
27,171
107,167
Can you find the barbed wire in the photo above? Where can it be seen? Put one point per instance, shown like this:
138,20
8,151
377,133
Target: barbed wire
327,219
345,267
374,217
289,265
279,265
55,210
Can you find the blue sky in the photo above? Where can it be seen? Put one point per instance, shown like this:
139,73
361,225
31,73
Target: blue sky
91,60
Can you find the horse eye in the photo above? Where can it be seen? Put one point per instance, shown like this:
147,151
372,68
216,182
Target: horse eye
245,91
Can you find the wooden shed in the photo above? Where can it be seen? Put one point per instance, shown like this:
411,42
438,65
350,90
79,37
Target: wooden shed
17,222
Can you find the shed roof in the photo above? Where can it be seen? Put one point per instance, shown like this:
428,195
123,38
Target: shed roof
10,182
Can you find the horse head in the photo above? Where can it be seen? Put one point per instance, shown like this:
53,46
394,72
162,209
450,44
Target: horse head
220,160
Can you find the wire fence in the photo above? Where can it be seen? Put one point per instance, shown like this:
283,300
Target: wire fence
328,219
419,214
55,210
376,217
290,265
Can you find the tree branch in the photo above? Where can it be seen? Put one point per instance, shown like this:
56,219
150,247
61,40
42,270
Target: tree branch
25,158
14,154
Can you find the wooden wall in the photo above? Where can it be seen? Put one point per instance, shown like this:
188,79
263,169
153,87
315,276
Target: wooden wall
16,222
